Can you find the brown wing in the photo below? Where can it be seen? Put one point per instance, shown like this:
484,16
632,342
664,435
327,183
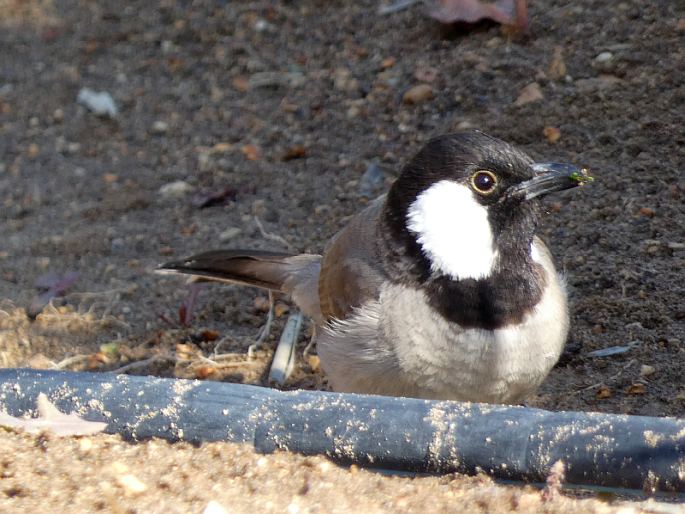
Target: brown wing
351,273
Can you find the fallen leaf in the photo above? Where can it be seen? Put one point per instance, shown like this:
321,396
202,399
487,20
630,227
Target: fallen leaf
637,389
552,134
603,392
251,152
294,152
647,212
506,12
557,68
531,93
209,335
227,194
53,285
241,84
388,62
51,419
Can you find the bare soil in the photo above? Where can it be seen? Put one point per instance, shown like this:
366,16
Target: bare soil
282,106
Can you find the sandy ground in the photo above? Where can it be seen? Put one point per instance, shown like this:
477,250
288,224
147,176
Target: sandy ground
233,116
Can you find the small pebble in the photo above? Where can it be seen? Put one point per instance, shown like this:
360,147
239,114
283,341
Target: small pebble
604,57
214,508
230,233
175,189
159,127
131,484
99,102
531,93
647,370
33,151
85,445
418,94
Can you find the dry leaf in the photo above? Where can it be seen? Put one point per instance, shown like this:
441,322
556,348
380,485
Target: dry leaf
603,392
557,68
294,152
52,420
506,12
637,389
530,93
388,62
552,134
209,335
251,152
241,84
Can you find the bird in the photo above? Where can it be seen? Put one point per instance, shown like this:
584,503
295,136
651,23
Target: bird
438,289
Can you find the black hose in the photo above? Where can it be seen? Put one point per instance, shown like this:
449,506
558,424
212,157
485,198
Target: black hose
515,443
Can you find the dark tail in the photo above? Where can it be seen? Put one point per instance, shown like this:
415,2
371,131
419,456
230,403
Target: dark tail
296,275
268,270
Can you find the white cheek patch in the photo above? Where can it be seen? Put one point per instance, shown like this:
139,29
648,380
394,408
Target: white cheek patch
453,231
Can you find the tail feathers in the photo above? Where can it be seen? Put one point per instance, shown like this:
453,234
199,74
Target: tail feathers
297,275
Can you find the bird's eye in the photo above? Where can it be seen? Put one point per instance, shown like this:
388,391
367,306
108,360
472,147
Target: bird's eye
484,182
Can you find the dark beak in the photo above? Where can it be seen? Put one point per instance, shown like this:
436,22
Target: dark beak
549,177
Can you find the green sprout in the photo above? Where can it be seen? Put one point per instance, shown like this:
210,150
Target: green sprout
582,177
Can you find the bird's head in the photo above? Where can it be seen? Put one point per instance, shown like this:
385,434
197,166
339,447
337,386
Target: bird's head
465,198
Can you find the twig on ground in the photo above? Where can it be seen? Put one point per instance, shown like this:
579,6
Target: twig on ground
400,5
270,236
613,377
218,345
143,363
69,361
265,330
